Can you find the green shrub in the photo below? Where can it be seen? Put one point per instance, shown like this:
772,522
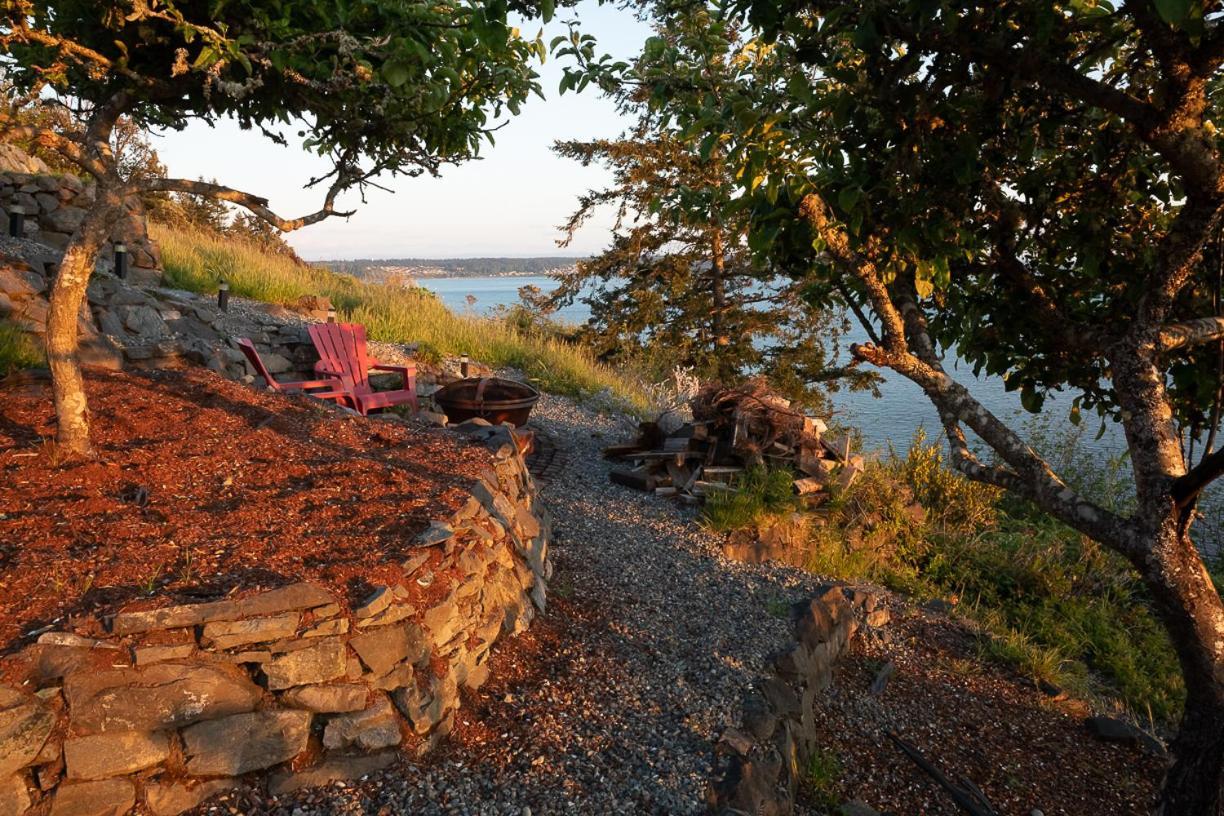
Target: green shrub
1049,601
17,350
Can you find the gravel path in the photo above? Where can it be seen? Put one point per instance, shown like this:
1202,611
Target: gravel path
608,704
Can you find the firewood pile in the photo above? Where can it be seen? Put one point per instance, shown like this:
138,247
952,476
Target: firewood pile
734,429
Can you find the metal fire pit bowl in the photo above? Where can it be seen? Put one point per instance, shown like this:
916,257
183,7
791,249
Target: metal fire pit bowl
490,398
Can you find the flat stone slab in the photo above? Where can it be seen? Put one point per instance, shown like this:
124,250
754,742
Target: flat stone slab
229,634
164,695
25,724
286,599
109,797
371,730
102,756
337,699
381,649
245,742
319,663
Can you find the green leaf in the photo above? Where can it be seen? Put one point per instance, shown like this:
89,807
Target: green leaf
396,72
1031,399
848,198
1173,12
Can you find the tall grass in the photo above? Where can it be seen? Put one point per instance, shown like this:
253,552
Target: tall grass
199,261
17,349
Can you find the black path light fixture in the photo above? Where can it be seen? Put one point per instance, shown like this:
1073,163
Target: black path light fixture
16,221
121,262
223,296
331,314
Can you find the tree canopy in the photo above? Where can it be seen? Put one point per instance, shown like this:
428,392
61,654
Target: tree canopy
373,87
1035,187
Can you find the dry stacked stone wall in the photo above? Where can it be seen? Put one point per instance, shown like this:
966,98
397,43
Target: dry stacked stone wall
760,762
54,207
287,687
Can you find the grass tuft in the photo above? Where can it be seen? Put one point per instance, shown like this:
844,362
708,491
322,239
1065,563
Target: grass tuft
198,262
17,350
760,492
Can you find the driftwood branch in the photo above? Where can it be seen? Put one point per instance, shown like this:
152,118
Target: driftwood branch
967,795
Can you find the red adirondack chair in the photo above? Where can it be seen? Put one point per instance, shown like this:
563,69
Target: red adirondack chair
343,354
332,389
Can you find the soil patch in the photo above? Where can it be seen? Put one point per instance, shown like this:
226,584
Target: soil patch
204,488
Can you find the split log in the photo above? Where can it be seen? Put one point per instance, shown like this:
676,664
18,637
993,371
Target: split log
634,479
806,487
838,446
850,472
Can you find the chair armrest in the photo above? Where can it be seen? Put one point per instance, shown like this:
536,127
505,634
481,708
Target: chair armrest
306,385
405,369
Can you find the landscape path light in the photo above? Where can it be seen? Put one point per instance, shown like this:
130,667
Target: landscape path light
121,261
16,223
223,296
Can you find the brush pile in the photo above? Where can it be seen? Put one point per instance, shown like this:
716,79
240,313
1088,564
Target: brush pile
734,429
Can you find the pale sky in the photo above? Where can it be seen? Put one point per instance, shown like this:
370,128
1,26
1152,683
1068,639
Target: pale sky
508,203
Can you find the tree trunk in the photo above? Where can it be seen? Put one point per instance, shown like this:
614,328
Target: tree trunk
1192,611
67,295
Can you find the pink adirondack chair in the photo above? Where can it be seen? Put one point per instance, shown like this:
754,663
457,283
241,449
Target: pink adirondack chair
329,389
343,354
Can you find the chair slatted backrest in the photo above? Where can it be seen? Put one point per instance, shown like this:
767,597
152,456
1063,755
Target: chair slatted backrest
248,348
342,347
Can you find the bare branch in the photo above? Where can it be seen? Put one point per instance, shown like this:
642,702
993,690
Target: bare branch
1191,333
62,145
1186,489
258,206
904,323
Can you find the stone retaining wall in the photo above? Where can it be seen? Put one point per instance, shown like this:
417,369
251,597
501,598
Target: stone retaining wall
54,207
286,687
760,763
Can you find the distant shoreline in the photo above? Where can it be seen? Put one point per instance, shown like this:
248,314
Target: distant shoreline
428,268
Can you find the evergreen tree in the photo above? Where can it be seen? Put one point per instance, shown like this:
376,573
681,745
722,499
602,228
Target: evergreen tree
678,285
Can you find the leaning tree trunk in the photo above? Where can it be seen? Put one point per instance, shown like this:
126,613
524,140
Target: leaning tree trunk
1191,609
67,296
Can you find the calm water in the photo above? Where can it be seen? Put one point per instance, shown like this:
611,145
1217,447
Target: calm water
892,419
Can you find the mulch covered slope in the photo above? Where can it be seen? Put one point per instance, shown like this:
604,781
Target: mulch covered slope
202,487
974,720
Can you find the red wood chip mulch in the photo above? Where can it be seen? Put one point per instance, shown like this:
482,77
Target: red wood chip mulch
203,486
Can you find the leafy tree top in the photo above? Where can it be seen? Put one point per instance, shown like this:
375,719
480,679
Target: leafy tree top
398,86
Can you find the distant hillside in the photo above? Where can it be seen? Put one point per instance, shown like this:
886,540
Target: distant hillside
378,268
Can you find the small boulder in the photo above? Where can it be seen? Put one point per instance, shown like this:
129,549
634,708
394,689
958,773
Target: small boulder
102,756
245,742
25,724
373,729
